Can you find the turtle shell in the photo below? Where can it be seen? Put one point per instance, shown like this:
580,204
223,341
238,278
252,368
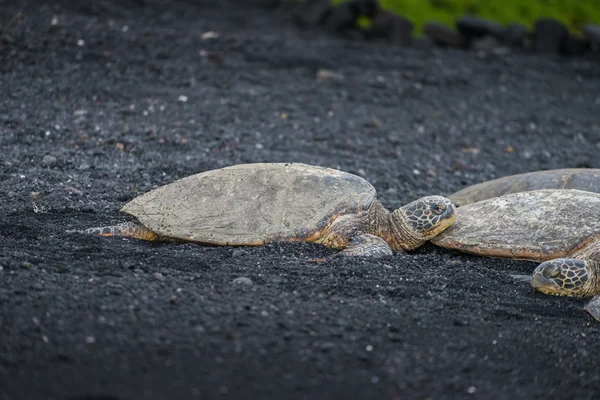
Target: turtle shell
251,204
535,225
571,178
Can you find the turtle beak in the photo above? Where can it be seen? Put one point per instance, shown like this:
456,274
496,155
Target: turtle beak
450,214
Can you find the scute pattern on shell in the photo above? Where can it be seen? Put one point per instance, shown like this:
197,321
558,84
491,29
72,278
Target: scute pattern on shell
252,204
535,225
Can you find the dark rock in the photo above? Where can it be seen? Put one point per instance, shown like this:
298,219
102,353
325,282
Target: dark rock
389,26
592,33
343,17
340,19
311,12
472,27
368,8
516,35
444,36
575,45
549,36
263,3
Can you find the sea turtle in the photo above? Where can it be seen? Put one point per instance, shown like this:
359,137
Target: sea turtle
570,178
558,226
254,204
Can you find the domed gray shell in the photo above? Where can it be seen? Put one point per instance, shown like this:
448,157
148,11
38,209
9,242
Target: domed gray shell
250,204
571,178
534,225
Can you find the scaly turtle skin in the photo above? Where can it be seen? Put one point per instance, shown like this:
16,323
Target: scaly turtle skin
254,204
570,178
558,226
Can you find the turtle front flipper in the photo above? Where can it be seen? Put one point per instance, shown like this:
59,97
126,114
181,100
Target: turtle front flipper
366,245
129,229
593,307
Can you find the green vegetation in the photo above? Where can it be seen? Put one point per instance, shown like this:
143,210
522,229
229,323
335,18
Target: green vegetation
573,13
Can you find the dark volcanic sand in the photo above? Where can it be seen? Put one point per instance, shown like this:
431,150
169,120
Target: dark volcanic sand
112,318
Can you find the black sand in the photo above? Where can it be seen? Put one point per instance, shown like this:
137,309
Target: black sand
112,318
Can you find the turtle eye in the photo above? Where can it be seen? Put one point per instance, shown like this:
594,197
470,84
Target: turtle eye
438,208
551,271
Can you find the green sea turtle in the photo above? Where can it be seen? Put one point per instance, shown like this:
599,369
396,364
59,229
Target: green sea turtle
254,204
558,226
570,178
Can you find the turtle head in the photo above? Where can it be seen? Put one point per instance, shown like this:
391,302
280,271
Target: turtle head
565,277
426,218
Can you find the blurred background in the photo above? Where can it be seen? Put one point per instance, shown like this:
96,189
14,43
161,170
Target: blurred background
573,13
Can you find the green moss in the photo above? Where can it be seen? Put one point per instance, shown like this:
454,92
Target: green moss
573,13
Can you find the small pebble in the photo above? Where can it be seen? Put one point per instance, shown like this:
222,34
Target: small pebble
242,280
210,35
72,190
49,160
327,346
26,265
237,253
326,75
157,276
